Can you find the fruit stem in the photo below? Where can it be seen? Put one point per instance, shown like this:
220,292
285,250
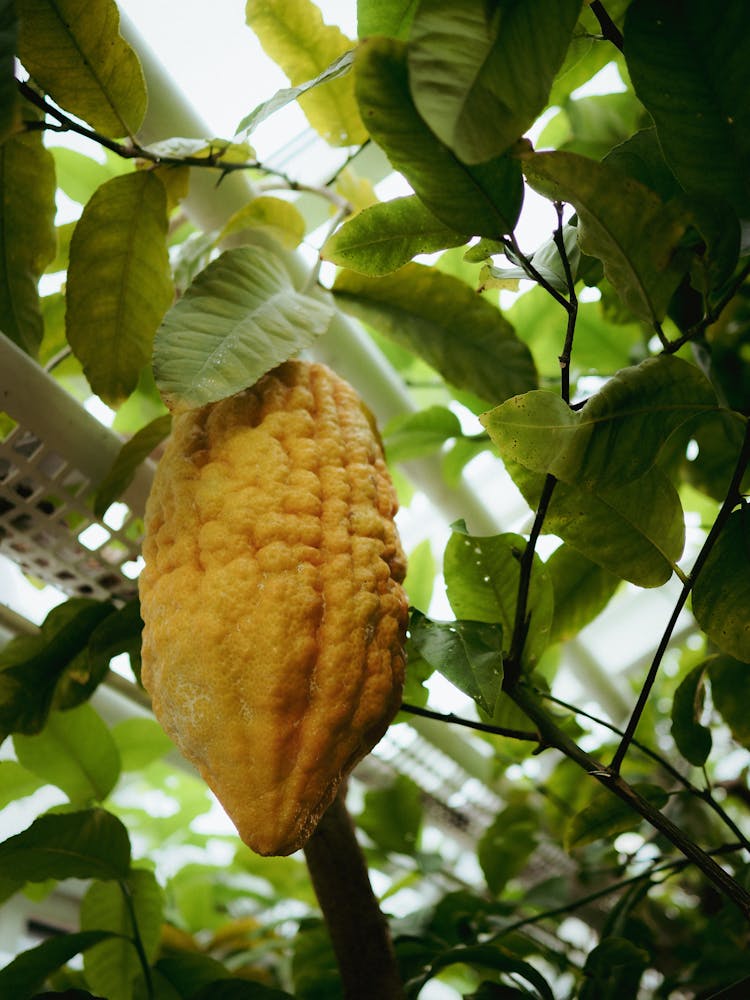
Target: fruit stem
359,931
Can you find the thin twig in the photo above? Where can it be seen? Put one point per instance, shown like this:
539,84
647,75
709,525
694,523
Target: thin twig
572,306
511,242
712,315
137,940
731,500
610,31
482,727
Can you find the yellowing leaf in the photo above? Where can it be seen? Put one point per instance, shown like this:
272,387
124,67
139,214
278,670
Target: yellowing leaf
295,36
76,53
274,215
119,282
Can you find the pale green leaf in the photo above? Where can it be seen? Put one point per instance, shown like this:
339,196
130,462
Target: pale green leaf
27,235
468,653
9,103
507,844
214,150
79,175
64,235
386,236
730,693
392,816
484,200
694,79
275,216
692,738
111,966
294,35
582,590
420,576
616,437
140,741
74,751
635,531
76,53
623,223
119,282
416,434
481,578
447,324
131,455
721,595
469,68
240,318
16,782
606,815
385,17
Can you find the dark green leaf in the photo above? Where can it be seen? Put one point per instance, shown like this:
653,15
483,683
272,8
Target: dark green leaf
730,691
119,633
721,595
32,668
119,282
484,200
74,751
636,531
484,957
189,972
131,455
694,78
441,319
692,738
314,968
616,437
507,844
111,966
88,844
623,223
582,590
607,816
719,441
468,653
641,158
481,577
384,237
614,951
27,235
392,816
240,318
28,972
78,56
9,104
237,989
469,69
385,17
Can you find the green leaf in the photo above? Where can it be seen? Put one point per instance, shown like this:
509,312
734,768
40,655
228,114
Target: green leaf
78,56
582,589
384,237
119,633
636,531
719,440
640,157
420,575
486,956
131,455
111,966
75,752
468,653
240,318
31,668
413,435
613,951
694,79
28,972
140,741
595,124
16,782
279,218
385,17
484,200
442,320
88,844
607,816
293,34
623,223
469,69
616,437
79,175
392,816
692,738
188,972
236,989
507,844
721,595
730,682
27,235
119,282
9,103
481,578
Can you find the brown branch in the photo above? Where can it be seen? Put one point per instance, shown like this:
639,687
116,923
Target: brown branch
610,31
358,929
482,727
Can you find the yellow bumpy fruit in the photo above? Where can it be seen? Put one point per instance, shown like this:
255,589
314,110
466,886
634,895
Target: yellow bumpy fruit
272,600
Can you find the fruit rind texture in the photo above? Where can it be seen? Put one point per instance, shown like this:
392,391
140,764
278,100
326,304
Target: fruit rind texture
272,600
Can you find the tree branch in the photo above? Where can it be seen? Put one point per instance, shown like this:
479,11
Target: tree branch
610,31
572,306
482,727
359,931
